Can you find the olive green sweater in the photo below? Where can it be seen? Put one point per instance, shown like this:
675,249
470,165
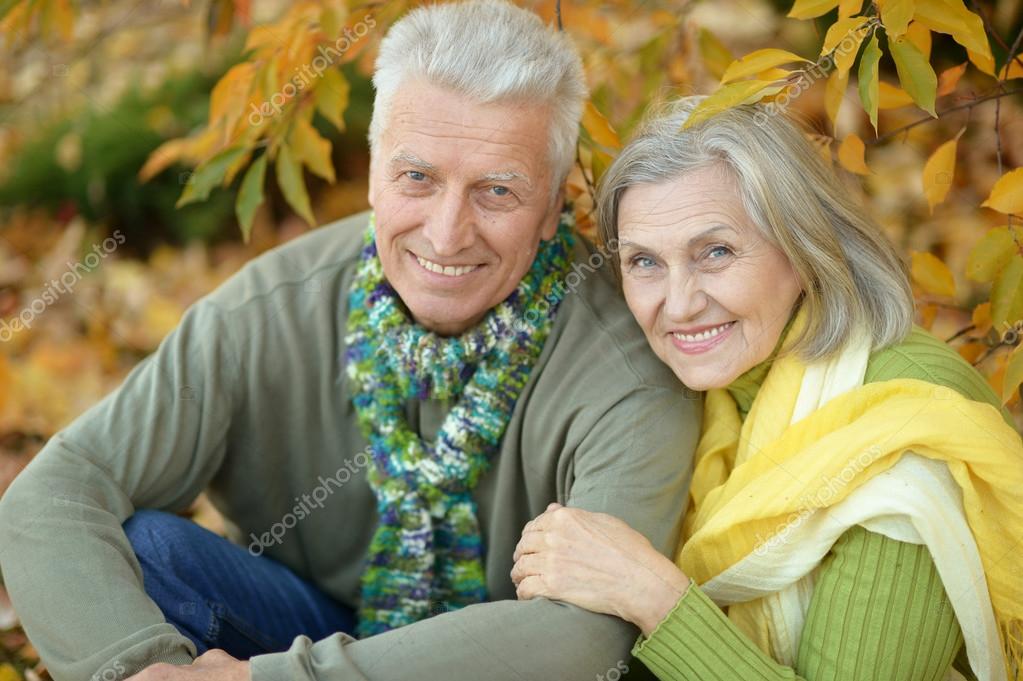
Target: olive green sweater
247,399
878,611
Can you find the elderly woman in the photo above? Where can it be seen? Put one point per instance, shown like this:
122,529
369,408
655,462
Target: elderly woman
857,497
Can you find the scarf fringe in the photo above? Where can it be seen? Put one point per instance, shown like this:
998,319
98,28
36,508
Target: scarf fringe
1011,632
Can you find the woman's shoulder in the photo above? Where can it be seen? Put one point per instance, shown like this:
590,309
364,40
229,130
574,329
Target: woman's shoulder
923,356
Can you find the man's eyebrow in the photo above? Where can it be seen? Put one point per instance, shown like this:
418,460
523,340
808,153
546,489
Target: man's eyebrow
412,160
506,176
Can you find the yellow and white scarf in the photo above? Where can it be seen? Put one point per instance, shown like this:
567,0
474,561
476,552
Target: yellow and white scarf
819,453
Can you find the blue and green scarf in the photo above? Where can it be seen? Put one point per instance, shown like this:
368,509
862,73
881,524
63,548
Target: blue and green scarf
427,555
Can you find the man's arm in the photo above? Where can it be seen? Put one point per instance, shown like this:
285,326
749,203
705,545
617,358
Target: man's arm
635,464
154,442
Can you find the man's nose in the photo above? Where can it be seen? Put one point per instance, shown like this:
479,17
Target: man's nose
450,229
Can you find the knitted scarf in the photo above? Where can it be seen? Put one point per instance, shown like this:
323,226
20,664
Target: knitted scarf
427,555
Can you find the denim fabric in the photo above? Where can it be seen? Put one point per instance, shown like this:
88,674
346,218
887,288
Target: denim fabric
220,596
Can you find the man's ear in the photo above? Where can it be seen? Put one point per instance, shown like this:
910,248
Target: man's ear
554,216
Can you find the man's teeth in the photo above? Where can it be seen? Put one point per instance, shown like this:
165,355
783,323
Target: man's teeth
449,271
703,335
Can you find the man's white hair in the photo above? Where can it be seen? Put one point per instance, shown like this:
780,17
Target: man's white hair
489,50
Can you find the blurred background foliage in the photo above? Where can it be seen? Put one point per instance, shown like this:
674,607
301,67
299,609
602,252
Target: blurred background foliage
201,134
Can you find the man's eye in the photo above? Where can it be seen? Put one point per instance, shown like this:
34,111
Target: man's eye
415,175
498,190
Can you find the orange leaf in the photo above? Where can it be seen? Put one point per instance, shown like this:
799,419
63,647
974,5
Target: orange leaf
851,155
599,128
949,78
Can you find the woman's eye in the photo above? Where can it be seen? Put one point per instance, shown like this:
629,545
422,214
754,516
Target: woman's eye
415,175
642,262
718,252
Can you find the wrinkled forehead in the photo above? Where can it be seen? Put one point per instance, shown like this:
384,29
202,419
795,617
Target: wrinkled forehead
452,133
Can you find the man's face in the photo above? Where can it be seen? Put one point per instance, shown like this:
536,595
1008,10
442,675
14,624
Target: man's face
462,196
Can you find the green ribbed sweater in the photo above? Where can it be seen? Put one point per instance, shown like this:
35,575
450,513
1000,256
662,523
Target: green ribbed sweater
879,610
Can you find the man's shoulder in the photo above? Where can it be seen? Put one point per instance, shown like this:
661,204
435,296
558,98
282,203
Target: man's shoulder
597,340
313,262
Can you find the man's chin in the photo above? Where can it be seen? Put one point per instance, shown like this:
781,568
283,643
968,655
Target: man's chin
438,317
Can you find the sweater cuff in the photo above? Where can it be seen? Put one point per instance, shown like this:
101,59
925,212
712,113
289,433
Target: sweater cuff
696,640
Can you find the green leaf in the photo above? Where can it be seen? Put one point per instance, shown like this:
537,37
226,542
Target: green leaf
868,79
992,253
1007,294
915,73
207,176
289,177
331,95
250,196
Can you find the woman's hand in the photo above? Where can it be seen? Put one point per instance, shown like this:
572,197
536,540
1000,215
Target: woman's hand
597,562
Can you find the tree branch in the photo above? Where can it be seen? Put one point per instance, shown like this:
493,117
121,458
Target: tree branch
928,119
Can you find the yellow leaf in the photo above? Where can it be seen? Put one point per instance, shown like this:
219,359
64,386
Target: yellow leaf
716,57
932,275
230,94
851,155
733,94
895,15
981,318
868,79
1007,194
1013,374
891,97
758,61
844,38
949,78
164,155
1013,69
847,8
598,127
952,18
9,673
939,171
993,252
310,148
331,95
920,35
984,62
834,94
808,9
1007,294
289,177
915,74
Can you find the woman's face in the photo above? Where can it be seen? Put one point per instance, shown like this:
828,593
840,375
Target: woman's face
711,293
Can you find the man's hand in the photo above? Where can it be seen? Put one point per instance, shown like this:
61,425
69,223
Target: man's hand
215,665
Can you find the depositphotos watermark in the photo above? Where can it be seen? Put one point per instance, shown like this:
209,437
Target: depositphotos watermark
310,72
818,500
580,272
308,502
60,286
819,70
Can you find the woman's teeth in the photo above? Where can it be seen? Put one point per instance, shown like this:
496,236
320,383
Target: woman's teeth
449,271
703,335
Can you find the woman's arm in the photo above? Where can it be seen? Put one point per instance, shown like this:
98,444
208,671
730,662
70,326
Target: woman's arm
878,610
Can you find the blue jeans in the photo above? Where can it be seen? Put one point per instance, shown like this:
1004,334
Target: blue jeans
220,596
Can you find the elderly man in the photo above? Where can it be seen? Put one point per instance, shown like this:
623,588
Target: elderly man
377,408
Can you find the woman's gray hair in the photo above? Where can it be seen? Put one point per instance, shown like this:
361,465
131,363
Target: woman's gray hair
851,275
489,50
